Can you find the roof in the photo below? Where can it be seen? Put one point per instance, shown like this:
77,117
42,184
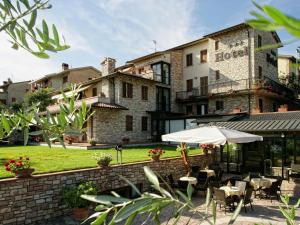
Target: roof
266,122
262,125
291,57
218,118
63,72
97,102
204,38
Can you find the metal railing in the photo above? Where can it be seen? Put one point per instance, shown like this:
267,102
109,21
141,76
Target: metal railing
235,86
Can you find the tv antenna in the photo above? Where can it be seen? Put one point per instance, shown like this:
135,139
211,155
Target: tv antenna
155,43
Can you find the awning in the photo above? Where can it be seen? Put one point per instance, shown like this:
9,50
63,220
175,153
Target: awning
262,125
69,93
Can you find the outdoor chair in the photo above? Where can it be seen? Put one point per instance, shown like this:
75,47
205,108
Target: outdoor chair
182,186
202,177
248,199
272,191
195,171
220,198
241,185
254,175
202,184
172,181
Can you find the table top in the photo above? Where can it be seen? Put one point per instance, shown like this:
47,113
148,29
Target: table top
188,179
207,171
230,191
262,182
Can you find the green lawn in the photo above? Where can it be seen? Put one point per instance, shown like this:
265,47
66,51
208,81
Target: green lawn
46,159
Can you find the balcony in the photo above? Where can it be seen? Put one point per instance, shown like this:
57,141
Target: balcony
234,87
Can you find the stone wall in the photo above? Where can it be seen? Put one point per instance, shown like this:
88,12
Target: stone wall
176,77
34,200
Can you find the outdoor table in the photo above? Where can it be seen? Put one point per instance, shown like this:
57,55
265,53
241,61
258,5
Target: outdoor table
231,191
210,173
191,180
262,182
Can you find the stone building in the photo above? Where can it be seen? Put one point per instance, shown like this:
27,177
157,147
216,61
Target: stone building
219,75
67,76
13,93
287,69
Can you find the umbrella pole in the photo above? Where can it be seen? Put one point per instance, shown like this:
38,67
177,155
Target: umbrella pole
185,157
227,156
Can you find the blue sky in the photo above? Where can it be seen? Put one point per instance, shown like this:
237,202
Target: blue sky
124,29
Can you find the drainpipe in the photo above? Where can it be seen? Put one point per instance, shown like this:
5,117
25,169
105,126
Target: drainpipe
249,71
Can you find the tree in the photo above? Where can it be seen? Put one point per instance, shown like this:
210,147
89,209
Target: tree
18,21
41,98
69,121
272,19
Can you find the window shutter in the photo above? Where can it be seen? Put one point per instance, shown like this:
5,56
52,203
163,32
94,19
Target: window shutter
124,89
129,120
144,123
130,90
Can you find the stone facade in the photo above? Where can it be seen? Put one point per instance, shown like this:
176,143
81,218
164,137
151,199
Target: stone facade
14,93
37,199
176,77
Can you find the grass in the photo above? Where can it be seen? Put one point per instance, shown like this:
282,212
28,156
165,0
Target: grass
44,159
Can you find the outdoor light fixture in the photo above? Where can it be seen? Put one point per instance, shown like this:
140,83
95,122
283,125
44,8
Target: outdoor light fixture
119,149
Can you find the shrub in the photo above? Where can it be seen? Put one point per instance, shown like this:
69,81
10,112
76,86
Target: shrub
71,195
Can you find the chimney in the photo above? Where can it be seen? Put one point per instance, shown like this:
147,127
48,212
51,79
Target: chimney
108,66
65,66
283,108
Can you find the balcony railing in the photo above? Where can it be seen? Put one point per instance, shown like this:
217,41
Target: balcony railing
236,86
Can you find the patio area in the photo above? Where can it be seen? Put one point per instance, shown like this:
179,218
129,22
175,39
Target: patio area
264,211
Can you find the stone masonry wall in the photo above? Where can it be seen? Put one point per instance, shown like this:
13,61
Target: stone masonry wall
176,77
34,200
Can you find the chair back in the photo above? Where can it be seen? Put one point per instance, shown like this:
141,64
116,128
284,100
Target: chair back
195,169
202,176
248,195
241,185
219,195
182,185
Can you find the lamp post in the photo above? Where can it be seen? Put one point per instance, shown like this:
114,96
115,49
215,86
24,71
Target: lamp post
282,154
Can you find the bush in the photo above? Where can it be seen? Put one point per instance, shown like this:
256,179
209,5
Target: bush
71,195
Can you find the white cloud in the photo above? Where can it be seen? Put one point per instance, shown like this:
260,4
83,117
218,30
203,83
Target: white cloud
21,65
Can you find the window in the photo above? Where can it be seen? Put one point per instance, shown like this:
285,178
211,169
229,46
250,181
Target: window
144,123
161,72
127,90
189,59
65,79
129,121
216,45
189,109
259,72
202,109
259,41
203,56
144,93
141,70
260,105
162,99
94,92
189,85
219,105
217,74
13,99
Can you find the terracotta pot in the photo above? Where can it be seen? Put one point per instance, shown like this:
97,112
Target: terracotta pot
80,214
24,173
155,158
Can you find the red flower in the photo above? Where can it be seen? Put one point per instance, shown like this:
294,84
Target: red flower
7,169
6,164
12,161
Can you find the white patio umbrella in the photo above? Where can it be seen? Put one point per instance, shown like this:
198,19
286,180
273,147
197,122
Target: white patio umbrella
211,135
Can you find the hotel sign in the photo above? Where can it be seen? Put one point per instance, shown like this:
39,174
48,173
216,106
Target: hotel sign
222,56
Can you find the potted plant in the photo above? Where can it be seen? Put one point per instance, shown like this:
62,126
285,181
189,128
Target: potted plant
79,206
206,148
103,159
93,142
21,167
155,153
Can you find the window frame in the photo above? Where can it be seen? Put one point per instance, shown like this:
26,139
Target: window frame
94,93
189,85
65,79
219,105
127,90
202,59
129,123
189,59
217,75
144,123
217,45
144,94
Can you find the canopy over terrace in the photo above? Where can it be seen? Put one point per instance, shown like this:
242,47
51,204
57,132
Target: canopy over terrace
209,135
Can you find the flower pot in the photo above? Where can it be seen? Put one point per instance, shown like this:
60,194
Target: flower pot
24,173
80,214
103,164
155,158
